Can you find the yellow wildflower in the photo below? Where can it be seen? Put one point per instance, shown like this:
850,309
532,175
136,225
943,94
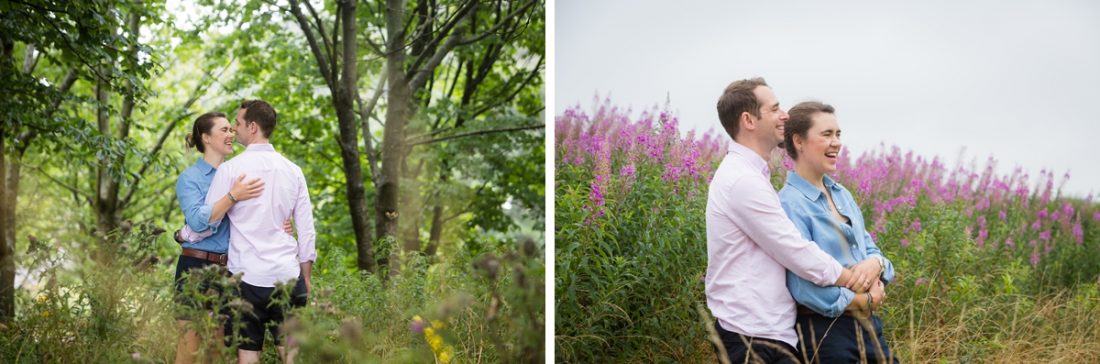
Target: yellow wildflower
435,342
444,357
428,332
437,324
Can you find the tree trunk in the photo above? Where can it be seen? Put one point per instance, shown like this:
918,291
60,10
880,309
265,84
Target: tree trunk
393,134
7,234
410,208
344,98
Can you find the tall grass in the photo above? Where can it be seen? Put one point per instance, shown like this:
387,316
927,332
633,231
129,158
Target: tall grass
990,267
480,307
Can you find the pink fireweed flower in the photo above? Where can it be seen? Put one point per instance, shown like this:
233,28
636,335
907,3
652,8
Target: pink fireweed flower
1078,233
1067,209
915,226
1096,216
1009,243
627,170
1003,215
921,281
1034,258
904,243
1045,235
1035,225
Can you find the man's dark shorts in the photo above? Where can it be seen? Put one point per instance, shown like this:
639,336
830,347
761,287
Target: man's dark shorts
266,313
202,295
760,350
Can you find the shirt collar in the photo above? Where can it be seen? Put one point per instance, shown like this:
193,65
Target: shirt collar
807,189
205,167
753,158
265,147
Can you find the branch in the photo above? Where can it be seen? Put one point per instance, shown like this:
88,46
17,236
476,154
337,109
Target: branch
30,59
195,94
475,133
72,189
364,115
443,32
501,100
322,63
499,24
421,75
25,138
330,44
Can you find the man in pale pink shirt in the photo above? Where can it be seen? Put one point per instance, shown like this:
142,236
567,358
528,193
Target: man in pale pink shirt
259,249
750,241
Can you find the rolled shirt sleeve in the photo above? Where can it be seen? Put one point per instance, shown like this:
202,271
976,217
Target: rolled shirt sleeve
303,218
192,200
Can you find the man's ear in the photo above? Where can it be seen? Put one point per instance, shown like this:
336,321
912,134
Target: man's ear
747,121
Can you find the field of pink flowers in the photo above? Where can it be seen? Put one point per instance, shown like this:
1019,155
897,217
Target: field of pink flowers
990,267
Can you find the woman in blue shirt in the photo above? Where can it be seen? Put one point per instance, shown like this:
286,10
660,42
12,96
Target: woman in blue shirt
204,239
826,213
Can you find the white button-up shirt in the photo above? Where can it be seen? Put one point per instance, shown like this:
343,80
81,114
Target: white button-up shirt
258,246
750,246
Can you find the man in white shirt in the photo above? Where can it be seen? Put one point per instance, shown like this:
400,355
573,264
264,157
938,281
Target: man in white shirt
259,249
750,241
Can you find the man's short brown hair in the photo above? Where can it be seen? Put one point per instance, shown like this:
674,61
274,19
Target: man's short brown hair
739,97
260,112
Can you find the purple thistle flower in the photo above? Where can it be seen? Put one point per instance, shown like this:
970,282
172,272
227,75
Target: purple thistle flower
1043,214
1045,235
904,243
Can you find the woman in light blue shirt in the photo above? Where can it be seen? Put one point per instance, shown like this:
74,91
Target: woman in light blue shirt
827,214
205,238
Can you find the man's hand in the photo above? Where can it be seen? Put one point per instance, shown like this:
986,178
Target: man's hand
242,190
870,269
288,227
854,280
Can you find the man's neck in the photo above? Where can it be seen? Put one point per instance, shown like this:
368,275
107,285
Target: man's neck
764,151
258,141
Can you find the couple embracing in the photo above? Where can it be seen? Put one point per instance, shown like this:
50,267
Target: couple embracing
243,227
792,276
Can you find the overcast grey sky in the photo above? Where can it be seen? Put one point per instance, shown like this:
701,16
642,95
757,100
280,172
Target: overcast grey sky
1016,80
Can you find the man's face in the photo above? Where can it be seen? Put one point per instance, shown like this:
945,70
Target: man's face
772,117
241,128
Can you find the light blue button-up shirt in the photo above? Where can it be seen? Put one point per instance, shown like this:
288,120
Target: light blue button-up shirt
191,188
809,209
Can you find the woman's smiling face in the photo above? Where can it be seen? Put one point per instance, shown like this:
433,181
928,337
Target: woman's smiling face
220,138
819,149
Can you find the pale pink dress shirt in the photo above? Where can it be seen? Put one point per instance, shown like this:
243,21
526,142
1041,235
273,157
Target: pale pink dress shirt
750,246
258,246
